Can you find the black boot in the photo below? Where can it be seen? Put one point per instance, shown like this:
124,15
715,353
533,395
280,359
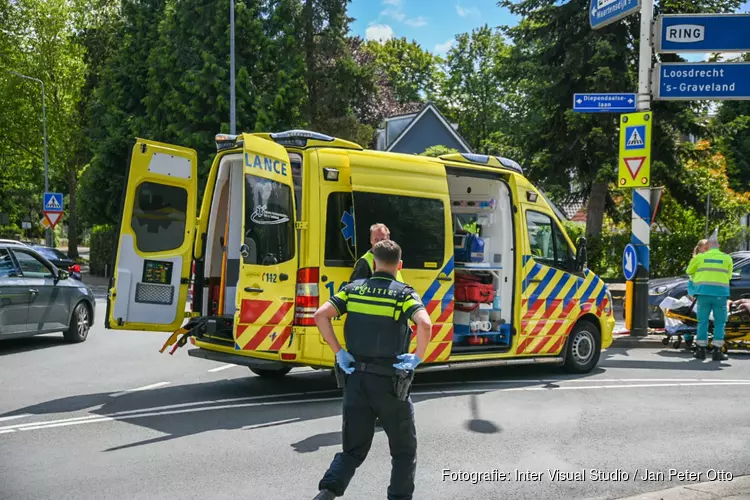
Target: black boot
324,495
700,352
719,356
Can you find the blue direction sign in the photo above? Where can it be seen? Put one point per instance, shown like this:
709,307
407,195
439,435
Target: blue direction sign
629,261
604,103
604,12
711,81
53,202
703,33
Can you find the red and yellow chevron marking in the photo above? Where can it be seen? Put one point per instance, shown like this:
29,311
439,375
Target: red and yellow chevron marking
263,327
548,320
440,341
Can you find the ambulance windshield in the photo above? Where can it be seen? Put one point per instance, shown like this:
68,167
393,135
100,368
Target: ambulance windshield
269,224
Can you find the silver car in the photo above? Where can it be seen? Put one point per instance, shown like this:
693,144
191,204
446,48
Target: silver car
36,297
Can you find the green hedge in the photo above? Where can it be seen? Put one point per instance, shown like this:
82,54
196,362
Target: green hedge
669,252
103,243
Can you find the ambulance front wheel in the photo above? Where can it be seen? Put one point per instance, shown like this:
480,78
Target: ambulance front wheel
267,373
583,348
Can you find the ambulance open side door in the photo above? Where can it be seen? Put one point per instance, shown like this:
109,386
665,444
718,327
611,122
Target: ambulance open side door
154,247
413,201
267,283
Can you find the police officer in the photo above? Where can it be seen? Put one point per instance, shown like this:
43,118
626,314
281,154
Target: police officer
711,272
377,336
364,267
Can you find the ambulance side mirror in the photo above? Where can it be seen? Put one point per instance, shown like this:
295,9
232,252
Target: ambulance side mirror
581,256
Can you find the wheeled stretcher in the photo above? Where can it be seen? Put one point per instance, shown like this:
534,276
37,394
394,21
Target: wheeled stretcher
736,336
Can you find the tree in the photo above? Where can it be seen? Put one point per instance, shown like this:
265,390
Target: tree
439,150
473,93
732,133
556,54
410,70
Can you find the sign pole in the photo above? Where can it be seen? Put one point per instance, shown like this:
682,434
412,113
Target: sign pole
641,225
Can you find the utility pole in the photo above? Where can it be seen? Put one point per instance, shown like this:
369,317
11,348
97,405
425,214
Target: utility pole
641,214
48,235
232,110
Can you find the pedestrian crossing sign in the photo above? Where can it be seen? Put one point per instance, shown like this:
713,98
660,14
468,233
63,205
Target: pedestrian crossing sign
53,202
634,164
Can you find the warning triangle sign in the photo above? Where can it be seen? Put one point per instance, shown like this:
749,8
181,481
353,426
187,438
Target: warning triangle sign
635,139
52,218
634,164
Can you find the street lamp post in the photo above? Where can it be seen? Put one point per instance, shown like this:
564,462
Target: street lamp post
48,234
232,111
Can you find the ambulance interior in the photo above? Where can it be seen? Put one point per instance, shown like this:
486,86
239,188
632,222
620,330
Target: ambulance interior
483,240
225,238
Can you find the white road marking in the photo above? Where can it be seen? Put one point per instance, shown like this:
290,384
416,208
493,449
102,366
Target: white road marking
149,412
220,368
270,424
144,388
13,417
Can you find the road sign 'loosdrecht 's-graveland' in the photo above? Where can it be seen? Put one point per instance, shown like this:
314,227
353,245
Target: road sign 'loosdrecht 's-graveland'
634,163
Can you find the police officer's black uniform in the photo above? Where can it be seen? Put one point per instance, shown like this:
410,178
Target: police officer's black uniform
376,331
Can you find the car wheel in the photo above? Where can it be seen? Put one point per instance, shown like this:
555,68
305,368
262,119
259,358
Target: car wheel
584,348
79,324
266,373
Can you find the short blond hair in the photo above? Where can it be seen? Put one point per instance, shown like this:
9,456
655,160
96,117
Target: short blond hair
380,225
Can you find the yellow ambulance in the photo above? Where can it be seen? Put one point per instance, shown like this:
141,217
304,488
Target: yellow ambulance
284,217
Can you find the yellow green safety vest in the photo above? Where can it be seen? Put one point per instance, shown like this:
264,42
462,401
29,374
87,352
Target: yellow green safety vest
370,259
471,227
711,272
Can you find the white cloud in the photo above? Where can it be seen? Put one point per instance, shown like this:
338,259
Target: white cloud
443,48
379,32
393,14
417,22
392,2
467,11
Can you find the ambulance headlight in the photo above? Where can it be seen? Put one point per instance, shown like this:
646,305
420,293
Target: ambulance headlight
331,174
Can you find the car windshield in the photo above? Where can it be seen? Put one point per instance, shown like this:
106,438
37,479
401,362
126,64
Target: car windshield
739,260
51,253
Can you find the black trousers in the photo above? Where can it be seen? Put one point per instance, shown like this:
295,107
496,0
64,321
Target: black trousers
367,397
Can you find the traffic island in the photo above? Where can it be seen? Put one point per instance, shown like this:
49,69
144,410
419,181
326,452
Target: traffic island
737,488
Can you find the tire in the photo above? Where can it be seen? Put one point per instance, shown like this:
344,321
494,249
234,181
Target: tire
266,373
583,348
78,331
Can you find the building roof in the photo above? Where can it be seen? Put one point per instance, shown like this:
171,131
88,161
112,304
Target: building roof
429,107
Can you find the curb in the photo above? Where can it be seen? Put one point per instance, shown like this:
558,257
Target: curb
647,342
737,488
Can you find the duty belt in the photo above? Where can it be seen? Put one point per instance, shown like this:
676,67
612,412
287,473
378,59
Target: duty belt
373,368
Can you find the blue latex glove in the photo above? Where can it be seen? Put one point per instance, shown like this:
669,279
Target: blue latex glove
344,359
408,362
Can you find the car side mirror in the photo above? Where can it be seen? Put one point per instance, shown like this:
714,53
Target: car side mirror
61,275
581,255
736,276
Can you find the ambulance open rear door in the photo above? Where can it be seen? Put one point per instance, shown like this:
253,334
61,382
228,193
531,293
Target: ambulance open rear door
154,246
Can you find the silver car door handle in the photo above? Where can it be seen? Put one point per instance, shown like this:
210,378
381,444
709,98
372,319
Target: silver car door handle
33,291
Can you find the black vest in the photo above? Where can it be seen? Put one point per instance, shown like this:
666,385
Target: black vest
376,328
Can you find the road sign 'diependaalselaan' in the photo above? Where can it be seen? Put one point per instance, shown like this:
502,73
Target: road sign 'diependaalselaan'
604,12
703,33
629,261
604,103
710,81
634,168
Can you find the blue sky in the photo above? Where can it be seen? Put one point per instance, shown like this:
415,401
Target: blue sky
434,23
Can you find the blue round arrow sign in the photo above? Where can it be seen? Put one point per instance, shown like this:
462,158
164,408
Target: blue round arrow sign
629,261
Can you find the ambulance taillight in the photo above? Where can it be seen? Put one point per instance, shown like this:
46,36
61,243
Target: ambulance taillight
307,299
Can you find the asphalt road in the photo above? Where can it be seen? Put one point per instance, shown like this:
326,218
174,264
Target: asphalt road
113,419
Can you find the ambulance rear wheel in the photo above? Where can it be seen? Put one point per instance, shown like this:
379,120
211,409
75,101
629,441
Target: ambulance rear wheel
584,348
266,373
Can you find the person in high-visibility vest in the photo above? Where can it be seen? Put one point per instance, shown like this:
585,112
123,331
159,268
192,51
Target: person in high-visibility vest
711,273
365,266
